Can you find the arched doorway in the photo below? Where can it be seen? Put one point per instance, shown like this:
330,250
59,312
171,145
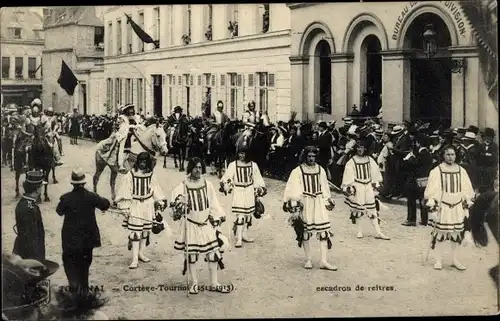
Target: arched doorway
430,98
371,75
323,81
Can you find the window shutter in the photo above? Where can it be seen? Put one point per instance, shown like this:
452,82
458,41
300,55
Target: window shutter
271,80
272,108
199,80
213,80
179,80
222,95
241,96
190,80
249,90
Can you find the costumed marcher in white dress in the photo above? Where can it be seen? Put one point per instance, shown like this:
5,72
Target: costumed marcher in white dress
307,198
244,180
449,196
140,195
360,183
195,203
52,128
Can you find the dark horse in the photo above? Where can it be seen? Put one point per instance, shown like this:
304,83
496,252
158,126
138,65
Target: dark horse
221,145
41,155
258,145
179,141
485,211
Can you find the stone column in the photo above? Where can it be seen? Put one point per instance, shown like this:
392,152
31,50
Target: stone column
298,74
340,80
395,86
472,74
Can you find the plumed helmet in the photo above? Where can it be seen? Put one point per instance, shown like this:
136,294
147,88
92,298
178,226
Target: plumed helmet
50,110
35,110
36,102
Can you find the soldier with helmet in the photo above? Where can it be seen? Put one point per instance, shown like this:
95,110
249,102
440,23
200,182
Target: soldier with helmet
219,118
250,118
243,178
175,120
52,127
37,118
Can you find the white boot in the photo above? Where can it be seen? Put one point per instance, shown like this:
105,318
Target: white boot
380,235
142,247
324,265
245,236
193,273
438,265
239,236
454,248
215,285
360,229
307,251
135,255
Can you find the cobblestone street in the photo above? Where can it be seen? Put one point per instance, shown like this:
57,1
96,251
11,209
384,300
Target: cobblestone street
268,275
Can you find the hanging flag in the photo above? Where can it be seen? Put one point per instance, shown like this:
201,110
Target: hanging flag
139,32
67,79
37,68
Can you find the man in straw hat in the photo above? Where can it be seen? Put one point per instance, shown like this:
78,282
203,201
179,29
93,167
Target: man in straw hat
243,178
139,195
487,161
307,189
30,240
360,182
80,233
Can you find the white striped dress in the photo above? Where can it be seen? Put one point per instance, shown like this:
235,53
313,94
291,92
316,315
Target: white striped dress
201,237
245,177
309,185
448,186
139,191
361,172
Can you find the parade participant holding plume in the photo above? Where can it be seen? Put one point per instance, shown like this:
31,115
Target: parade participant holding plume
307,198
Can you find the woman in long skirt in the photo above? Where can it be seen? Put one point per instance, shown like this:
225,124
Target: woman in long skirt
449,195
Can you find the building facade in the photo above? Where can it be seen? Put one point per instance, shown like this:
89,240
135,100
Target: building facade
22,42
75,35
235,53
340,50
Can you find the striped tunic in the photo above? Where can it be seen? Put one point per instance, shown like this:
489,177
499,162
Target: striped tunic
448,186
311,183
138,191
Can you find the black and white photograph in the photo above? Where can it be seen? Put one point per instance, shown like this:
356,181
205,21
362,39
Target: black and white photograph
250,160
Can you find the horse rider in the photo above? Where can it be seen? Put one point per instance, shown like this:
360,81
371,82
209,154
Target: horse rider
173,121
36,117
218,119
250,118
51,127
125,132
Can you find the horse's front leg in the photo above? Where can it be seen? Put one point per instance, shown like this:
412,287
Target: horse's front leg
46,177
54,175
18,174
182,158
165,161
112,182
175,159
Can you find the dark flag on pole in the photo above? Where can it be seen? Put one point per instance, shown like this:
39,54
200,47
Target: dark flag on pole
67,79
139,32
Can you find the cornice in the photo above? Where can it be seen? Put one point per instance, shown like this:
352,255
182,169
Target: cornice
33,42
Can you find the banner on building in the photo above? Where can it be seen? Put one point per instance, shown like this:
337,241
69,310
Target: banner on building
67,79
139,32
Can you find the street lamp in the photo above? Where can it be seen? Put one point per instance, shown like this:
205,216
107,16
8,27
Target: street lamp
429,42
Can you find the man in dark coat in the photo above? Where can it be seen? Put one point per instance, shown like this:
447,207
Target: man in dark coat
402,146
487,161
80,233
30,240
325,157
418,164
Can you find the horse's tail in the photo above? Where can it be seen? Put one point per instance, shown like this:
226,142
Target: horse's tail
477,217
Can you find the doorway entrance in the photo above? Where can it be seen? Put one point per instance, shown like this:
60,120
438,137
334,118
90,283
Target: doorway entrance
430,76
372,86
324,71
157,96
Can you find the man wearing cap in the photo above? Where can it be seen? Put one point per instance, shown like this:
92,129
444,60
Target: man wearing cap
243,178
401,147
126,128
325,157
173,121
30,240
487,161
138,195
80,233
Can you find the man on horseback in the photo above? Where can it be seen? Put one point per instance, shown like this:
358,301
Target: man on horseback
125,132
217,121
173,122
36,117
250,119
